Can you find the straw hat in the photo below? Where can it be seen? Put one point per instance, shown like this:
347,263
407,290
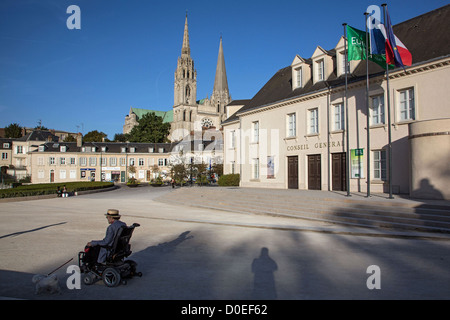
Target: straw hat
113,213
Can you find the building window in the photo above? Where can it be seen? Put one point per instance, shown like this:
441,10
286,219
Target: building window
342,56
92,161
123,162
4,156
5,145
291,125
132,162
339,117
160,162
379,164
255,132
233,164
232,139
104,162
41,174
313,119
377,110
51,160
407,108
62,174
40,161
83,161
73,161
113,162
320,70
19,149
255,168
298,77
141,161
62,161
73,174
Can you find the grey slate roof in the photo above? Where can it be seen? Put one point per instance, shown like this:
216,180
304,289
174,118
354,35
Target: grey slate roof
38,135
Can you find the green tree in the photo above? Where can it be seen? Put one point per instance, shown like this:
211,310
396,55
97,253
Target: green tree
151,128
14,130
120,137
180,173
70,138
94,136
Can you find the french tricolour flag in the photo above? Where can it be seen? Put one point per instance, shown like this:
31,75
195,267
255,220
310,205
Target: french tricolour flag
396,51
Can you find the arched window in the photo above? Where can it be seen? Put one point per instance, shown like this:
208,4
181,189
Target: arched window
188,93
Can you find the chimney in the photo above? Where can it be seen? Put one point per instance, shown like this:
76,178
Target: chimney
79,140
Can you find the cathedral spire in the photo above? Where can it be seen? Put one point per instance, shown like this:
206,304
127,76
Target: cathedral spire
220,82
185,49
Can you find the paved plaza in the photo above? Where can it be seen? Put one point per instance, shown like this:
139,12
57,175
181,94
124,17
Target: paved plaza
190,253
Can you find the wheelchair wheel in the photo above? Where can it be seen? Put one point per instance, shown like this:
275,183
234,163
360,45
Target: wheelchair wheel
89,278
111,277
132,265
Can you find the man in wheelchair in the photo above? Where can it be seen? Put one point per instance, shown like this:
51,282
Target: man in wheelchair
105,258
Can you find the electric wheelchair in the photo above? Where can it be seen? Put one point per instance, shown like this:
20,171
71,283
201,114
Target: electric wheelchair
116,269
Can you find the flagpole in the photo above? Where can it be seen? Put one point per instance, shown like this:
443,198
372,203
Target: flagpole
388,115
367,106
347,158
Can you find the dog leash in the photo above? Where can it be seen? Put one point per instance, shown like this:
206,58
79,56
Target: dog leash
60,266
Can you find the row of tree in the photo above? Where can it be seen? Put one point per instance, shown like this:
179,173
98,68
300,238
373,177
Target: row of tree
150,128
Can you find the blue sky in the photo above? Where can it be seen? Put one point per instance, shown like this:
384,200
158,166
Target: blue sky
126,51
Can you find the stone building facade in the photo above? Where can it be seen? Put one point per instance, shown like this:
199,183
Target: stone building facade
293,132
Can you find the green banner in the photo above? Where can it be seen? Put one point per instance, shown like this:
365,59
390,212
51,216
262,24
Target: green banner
356,40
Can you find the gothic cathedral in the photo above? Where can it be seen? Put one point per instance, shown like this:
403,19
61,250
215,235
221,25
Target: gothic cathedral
188,114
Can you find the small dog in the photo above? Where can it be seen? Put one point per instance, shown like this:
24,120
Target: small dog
46,283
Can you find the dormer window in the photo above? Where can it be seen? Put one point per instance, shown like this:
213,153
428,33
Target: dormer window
63,149
150,149
132,149
342,59
300,72
298,77
320,70
103,149
123,149
41,148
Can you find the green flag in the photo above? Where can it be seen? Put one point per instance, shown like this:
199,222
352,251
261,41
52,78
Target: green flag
356,40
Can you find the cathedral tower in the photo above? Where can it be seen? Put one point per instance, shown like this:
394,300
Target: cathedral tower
190,115
221,95
185,90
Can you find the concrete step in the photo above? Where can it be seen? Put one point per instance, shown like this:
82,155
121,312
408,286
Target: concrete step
321,206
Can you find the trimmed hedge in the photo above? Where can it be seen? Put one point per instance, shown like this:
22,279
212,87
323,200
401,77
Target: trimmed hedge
51,188
228,180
